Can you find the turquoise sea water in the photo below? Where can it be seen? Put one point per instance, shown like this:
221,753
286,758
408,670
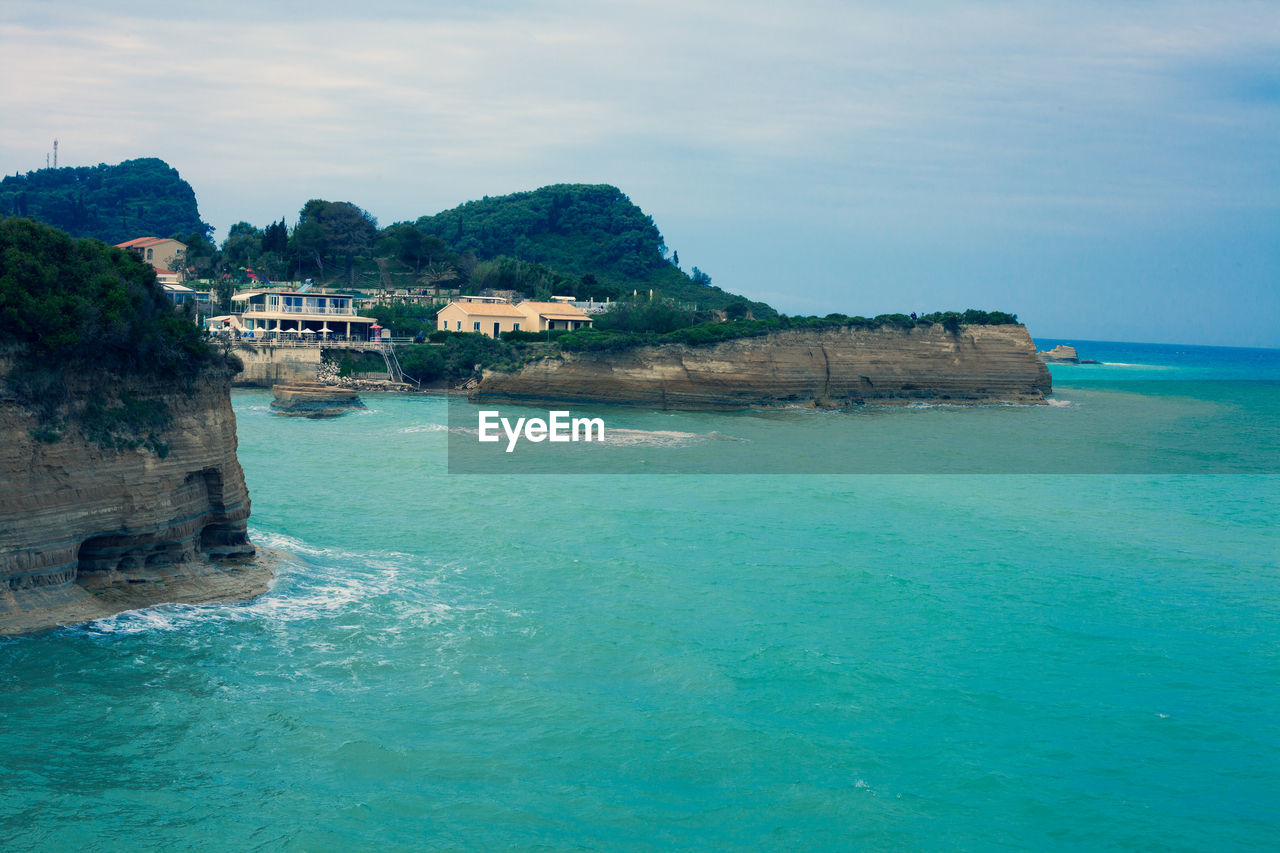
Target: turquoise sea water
720,661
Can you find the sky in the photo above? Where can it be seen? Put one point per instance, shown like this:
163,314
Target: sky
1105,170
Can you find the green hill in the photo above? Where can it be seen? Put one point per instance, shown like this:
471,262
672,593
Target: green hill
136,198
576,230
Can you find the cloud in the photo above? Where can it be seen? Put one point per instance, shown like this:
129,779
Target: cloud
976,122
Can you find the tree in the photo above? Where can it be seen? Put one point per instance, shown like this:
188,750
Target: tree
700,278
275,238
309,244
407,244
202,255
348,231
737,309
242,246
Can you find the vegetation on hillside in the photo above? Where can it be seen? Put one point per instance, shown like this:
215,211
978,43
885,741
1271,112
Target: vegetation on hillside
615,337
573,228
582,240
137,198
70,305
589,234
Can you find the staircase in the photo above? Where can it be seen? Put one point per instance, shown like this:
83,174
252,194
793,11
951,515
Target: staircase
393,363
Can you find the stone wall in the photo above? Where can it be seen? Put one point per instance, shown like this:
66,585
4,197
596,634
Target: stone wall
265,366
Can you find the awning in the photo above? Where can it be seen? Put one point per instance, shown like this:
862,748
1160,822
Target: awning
223,321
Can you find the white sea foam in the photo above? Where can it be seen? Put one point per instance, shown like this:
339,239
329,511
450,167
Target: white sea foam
650,438
308,586
161,617
1140,366
634,437
1060,404
424,428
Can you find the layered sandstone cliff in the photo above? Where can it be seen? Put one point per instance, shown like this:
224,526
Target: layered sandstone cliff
826,368
314,400
88,530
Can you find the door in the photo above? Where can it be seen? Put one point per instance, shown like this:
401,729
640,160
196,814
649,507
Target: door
495,330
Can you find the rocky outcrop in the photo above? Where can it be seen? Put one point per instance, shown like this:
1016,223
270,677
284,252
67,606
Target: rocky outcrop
314,400
1061,354
825,368
88,530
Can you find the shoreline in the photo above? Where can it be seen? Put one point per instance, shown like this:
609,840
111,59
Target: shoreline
202,581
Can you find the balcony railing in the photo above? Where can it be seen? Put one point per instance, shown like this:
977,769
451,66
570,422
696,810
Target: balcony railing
300,309
335,342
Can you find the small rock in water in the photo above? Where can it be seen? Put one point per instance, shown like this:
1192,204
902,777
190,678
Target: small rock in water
1061,354
313,400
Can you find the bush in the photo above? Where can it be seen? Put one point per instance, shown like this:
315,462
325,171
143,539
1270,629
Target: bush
614,339
404,319
523,336
656,315
80,305
422,362
65,301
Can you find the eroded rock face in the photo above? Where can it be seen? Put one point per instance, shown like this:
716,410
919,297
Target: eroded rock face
1061,354
825,368
314,400
75,516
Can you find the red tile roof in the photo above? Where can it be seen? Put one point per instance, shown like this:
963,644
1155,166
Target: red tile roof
143,242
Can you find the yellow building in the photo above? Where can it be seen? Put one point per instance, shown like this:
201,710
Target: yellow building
163,254
541,316
485,315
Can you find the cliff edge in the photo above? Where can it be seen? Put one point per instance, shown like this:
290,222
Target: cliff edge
119,483
827,368
87,530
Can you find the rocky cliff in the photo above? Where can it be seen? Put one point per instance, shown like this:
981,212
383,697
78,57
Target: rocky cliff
825,368
94,526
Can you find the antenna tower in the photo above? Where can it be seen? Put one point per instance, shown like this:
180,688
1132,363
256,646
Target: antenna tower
55,153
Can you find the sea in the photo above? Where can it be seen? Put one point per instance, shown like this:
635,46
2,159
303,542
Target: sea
886,628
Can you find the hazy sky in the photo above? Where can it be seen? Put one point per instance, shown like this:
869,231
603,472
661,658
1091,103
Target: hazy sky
1106,170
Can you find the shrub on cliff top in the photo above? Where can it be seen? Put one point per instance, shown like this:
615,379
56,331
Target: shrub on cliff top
80,307
615,340
65,301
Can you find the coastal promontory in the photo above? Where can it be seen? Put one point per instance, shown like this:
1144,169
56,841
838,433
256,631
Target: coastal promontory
119,482
825,367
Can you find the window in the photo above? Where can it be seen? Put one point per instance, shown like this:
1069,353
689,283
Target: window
476,325
515,327
459,326
148,254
